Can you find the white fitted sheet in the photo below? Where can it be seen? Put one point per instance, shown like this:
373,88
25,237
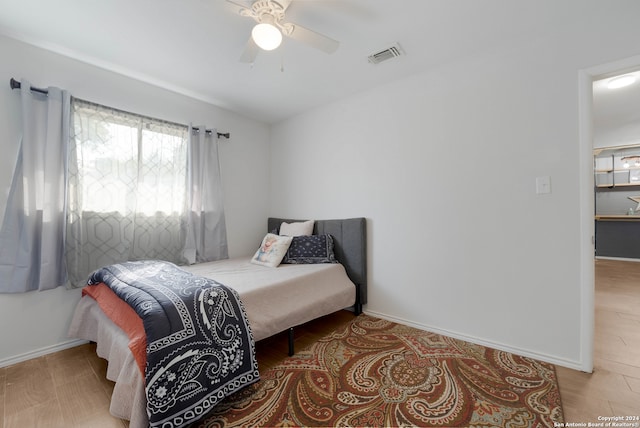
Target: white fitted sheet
282,297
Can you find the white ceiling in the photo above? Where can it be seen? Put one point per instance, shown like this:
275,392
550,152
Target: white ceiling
193,46
616,108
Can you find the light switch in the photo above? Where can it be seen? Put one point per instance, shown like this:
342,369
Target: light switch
543,185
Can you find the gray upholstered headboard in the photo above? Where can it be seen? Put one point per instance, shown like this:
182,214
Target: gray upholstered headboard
350,245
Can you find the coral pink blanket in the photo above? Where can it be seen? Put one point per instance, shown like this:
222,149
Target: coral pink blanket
124,317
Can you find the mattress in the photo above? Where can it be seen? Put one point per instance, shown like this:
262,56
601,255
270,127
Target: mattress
275,299
278,298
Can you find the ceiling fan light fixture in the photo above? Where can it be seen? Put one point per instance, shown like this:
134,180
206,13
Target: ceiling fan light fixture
266,36
621,81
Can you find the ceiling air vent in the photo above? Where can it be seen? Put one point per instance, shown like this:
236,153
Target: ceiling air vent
389,53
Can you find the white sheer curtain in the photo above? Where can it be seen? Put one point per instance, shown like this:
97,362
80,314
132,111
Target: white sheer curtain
206,232
32,234
127,190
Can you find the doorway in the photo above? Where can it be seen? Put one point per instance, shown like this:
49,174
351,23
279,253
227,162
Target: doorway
587,197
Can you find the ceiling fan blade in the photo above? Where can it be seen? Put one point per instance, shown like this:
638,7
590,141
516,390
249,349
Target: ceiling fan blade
237,7
283,3
250,52
312,38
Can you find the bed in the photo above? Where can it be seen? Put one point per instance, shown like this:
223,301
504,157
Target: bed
275,300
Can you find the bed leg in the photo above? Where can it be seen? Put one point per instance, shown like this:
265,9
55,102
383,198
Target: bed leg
291,351
357,307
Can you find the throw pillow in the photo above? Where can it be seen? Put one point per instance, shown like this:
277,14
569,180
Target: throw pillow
297,229
310,249
272,250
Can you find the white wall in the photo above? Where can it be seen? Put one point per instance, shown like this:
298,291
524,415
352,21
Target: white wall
627,134
443,164
36,322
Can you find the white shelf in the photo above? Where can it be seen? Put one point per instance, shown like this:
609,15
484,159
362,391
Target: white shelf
609,161
604,186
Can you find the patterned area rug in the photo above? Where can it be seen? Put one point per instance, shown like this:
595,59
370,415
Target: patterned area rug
376,373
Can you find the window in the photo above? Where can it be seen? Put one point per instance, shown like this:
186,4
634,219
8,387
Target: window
126,189
128,163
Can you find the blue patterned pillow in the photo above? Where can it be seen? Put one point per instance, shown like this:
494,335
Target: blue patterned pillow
310,249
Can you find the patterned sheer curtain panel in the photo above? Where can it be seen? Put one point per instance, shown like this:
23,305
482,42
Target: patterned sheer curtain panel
127,190
32,234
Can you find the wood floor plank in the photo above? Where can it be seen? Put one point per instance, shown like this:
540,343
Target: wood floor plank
28,392
46,414
84,400
578,408
35,368
623,369
634,383
599,384
624,409
69,370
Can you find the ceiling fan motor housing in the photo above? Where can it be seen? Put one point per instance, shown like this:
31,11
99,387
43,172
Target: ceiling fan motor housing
266,9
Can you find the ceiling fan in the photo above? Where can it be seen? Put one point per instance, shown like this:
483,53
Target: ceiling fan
267,34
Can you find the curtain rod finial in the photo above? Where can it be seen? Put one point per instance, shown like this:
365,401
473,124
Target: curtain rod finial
14,83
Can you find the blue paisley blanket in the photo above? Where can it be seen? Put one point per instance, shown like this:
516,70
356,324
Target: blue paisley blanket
199,343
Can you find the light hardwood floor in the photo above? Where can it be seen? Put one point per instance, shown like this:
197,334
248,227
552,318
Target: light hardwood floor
613,389
69,389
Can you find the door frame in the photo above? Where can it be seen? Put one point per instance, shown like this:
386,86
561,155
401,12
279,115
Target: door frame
586,78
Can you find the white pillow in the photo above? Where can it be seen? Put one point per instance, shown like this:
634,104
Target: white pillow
272,250
304,228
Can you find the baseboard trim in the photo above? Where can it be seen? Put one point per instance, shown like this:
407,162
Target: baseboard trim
5,362
576,365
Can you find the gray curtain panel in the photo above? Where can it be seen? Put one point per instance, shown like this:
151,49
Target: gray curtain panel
206,227
95,186
32,234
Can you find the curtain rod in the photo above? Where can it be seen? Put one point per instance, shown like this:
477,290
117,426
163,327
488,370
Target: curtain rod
17,85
